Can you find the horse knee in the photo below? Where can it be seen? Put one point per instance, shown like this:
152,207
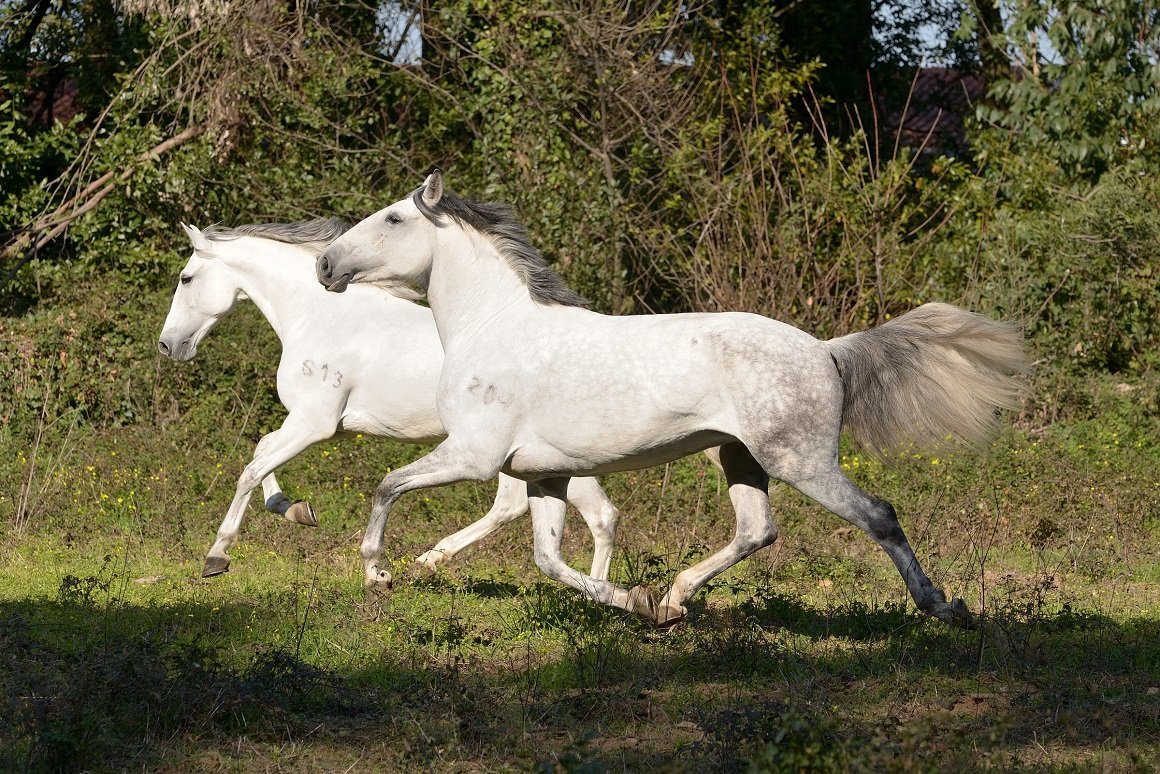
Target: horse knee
385,494
249,480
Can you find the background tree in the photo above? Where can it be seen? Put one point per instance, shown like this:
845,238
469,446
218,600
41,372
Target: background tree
1083,86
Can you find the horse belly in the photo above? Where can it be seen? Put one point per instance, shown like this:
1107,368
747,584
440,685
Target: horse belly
421,428
540,458
590,439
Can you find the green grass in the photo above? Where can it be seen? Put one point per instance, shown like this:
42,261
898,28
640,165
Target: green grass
115,655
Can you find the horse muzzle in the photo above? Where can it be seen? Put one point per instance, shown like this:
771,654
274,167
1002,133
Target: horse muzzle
328,275
181,351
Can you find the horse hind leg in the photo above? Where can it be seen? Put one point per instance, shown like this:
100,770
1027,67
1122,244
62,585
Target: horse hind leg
297,511
877,518
755,529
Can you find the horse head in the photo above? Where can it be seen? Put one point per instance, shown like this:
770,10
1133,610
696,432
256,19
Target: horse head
205,293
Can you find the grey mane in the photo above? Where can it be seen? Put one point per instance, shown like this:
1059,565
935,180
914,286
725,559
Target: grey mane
498,221
317,233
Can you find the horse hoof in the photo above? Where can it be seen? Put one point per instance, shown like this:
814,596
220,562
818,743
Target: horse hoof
432,559
302,513
421,569
667,615
380,582
641,602
215,565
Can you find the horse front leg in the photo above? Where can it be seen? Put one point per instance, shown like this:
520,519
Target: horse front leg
274,450
511,502
449,463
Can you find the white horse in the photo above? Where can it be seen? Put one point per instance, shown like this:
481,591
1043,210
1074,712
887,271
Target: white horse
541,388
367,364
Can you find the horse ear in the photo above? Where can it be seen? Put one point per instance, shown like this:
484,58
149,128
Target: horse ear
433,187
196,238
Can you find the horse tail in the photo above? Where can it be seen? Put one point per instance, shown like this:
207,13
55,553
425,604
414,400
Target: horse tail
936,373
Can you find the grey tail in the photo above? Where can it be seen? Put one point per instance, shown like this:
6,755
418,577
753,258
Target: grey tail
936,374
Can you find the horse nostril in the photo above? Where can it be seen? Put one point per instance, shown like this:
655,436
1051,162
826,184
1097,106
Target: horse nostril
163,348
323,267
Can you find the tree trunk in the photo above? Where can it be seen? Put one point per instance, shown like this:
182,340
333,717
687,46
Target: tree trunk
992,45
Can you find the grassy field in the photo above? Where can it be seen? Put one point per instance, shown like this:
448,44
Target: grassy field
115,655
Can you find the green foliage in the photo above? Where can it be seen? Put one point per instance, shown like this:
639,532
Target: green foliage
662,161
1092,105
658,160
1077,268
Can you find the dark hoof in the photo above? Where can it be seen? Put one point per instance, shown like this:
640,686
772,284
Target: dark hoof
215,565
959,615
301,513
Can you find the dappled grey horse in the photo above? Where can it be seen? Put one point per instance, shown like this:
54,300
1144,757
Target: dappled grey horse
368,363
539,387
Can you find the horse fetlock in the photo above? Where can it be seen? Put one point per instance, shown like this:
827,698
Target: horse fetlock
419,570
954,612
378,579
670,610
669,614
302,512
278,503
930,599
215,565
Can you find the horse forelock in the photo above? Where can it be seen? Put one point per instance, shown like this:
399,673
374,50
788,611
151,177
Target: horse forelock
498,222
319,232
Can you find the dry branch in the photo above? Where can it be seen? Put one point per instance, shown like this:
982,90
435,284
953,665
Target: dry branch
34,237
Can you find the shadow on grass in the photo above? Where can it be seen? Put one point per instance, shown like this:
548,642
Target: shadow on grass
105,686
92,686
775,675
481,587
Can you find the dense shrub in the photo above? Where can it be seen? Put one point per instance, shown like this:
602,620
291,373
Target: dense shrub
663,160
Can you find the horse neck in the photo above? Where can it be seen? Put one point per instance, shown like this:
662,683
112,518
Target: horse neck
275,276
471,286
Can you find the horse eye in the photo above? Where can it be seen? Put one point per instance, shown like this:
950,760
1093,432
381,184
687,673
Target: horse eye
392,218
186,279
